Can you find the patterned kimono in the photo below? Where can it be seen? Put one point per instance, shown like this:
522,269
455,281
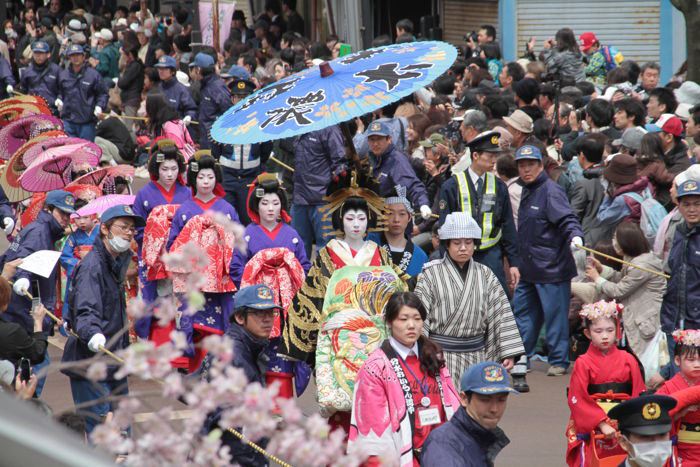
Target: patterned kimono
597,373
410,260
380,422
687,428
149,197
470,318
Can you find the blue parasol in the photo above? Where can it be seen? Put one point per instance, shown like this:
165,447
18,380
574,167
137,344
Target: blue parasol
334,92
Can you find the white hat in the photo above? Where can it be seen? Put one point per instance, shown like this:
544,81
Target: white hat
683,111
122,22
182,77
459,225
688,93
105,34
76,25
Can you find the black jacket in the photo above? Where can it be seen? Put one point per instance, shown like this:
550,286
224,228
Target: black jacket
131,83
15,343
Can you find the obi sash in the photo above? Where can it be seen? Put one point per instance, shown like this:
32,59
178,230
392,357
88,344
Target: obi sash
459,344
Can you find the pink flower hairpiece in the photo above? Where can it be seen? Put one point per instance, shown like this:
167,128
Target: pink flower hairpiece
601,309
687,337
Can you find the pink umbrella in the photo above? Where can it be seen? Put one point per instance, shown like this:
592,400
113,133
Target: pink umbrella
51,170
99,176
101,204
35,151
14,135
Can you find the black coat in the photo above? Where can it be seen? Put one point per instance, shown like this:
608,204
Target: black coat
15,343
131,83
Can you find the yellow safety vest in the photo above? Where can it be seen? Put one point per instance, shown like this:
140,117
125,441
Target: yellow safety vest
487,241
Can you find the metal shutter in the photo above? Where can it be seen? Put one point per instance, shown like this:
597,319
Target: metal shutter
460,17
631,26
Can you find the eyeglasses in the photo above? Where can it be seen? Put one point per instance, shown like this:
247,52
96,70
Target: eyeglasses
262,314
125,228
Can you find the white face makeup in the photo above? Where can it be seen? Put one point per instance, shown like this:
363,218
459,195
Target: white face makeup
206,181
355,225
269,208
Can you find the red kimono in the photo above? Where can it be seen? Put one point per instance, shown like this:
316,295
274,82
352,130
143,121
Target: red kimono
687,428
595,368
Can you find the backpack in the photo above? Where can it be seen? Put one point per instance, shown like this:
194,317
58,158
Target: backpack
652,213
613,57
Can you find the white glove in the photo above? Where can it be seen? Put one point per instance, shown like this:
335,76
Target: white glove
59,104
9,89
576,242
96,341
9,225
425,212
21,286
98,111
187,120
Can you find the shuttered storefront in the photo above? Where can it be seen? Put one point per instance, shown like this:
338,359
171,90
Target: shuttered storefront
631,26
460,17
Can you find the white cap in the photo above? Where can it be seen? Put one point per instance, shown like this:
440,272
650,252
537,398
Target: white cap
459,225
75,25
182,77
105,34
122,22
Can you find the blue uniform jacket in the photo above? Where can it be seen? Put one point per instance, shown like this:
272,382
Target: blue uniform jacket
5,77
69,260
393,168
462,442
80,93
5,206
97,304
546,226
41,81
450,201
318,156
42,234
179,98
214,100
682,298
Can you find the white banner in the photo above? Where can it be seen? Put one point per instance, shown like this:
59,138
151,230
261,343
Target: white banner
205,21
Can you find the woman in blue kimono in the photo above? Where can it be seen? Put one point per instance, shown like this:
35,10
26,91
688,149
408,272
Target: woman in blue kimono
204,178
165,167
269,227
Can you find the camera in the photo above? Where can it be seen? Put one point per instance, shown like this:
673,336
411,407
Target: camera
25,369
473,36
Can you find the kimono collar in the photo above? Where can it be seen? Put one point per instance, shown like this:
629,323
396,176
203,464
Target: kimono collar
205,206
167,194
362,258
271,234
402,350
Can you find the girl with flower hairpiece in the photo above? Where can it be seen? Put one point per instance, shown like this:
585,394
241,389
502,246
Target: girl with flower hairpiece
601,378
687,424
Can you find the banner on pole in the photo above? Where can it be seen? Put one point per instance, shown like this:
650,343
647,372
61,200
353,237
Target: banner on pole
225,18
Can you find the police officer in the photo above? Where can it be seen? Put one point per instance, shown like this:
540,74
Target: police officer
40,78
42,234
81,95
177,95
97,310
240,163
644,424
484,196
214,99
7,80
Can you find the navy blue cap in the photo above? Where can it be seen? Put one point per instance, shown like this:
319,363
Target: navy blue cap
203,60
528,152
166,61
236,71
61,199
378,128
75,49
241,87
258,297
644,415
688,188
122,210
40,46
486,378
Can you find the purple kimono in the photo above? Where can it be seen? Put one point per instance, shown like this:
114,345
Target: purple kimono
148,198
218,307
259,238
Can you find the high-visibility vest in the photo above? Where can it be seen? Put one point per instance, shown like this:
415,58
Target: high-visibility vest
488,204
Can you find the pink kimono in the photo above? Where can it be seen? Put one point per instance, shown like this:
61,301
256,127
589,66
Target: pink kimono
380,424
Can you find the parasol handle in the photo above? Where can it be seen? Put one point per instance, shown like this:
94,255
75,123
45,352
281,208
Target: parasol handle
279,162
143,119
18,93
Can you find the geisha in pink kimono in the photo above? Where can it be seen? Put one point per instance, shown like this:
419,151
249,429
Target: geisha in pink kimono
403,391
165,167
191,224
276,257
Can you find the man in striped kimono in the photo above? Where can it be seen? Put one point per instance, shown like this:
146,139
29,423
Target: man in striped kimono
468,311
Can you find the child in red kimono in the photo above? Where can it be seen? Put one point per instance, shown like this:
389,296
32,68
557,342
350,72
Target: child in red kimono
603,369
687,427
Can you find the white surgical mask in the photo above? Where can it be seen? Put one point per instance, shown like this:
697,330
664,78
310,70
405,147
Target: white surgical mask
118,244
652,454
10,33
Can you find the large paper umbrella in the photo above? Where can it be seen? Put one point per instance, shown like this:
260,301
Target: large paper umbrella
14,135
24,99
51,170
100,176
334,92
10,113
101,204
35,151
9,180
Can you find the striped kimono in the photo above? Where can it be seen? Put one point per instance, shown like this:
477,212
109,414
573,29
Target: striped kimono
471,319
